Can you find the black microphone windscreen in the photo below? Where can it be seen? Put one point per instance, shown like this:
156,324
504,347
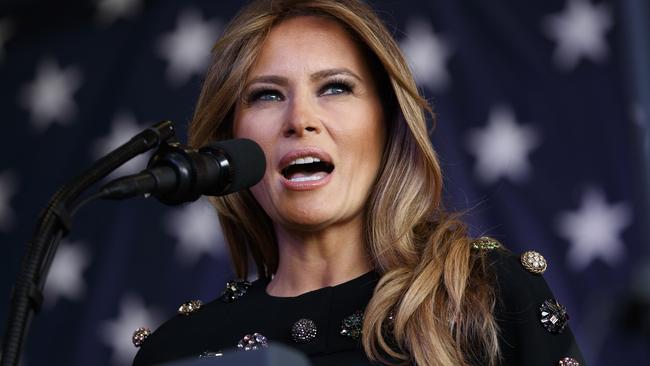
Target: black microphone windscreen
246,159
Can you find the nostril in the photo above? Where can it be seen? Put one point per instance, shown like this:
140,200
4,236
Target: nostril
310,129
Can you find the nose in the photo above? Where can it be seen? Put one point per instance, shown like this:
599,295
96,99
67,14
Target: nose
301,117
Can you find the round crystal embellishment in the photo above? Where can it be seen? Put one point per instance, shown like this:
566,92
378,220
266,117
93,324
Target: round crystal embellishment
140,335
252,342
352,325
234,290
568,361
303,331
190,307
533,262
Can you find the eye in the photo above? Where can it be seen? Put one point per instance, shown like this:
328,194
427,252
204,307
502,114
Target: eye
265,95
336,87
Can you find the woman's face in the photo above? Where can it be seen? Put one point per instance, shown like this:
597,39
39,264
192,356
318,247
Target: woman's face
311,103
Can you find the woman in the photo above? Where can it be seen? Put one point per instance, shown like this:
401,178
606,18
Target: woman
357,259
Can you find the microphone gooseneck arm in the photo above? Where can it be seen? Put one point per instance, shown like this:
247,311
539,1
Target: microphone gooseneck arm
175,174
53,224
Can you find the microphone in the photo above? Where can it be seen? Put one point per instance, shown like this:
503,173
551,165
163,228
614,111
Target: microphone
178,174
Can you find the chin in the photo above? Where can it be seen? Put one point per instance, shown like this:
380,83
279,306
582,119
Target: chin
307,219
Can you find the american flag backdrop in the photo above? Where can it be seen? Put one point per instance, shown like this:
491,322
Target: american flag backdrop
543,118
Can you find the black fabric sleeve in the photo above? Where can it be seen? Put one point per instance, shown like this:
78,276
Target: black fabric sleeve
523,339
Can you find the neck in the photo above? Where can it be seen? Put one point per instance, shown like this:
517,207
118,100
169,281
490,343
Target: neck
313,260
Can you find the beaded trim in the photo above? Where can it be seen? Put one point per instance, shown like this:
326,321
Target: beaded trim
485,243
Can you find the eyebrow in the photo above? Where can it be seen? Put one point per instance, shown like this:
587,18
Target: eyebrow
332,72
269,79
322,74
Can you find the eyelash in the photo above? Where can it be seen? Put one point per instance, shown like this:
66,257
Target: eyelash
256,95
345,85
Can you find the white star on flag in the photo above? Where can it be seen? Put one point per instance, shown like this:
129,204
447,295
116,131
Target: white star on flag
502,147
7,189
197,229
123,128
6,30
117,333
427,54
187,49
594,230
110,10
579,32
65,279
49,97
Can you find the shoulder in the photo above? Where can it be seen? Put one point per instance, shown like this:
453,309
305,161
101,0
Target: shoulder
186,334
533,325
517,287
517,278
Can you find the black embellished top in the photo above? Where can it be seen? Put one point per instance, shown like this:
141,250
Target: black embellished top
325,324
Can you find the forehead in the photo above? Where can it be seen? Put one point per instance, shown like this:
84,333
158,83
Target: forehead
308,44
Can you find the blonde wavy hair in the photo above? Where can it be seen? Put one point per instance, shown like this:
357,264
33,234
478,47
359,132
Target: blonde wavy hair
433,304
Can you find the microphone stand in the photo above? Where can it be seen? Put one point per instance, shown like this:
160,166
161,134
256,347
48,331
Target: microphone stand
54,223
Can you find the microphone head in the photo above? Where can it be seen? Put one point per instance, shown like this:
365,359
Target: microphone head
245,159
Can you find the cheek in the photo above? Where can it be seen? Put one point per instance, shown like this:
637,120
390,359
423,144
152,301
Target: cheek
368,136
259,125
246,123
373,146
241,126
377,126
371,154
245,126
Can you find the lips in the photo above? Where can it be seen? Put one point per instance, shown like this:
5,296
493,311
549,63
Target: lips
305,168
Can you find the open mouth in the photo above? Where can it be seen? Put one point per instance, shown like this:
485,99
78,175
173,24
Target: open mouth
307,168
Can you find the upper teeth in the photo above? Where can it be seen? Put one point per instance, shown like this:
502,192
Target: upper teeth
305,160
